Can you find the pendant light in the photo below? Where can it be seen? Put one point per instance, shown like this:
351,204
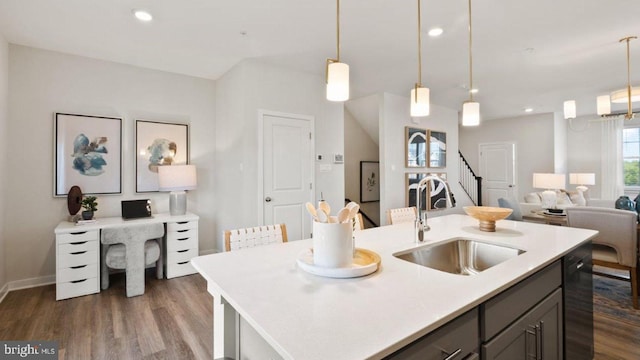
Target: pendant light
337,72
627,95
470,108
629,114
419,94
569,109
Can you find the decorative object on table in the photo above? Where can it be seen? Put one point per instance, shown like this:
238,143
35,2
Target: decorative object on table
369,181
364,262
177,179
158,144
415,146
487,215
637,202
549,182
437,149
88,154
90,206
624,203
74,202
582,179
332,244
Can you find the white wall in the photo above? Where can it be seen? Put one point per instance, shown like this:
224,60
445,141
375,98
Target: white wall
534,139
4,154
394,116
584,150
358,146
247,88
44,82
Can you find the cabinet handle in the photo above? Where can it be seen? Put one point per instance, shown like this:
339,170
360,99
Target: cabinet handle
183,239
79,243
538,343
78,267
181,251
182,263
452,355
580,265
528,332
78,233
182,222
541,340
78,253
183,230
78,281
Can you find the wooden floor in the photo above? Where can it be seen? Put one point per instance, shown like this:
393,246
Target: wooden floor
173,320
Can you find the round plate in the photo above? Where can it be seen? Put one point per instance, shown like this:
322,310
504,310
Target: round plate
365,262
74,199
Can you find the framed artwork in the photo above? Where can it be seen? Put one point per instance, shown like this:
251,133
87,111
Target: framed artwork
88,154
434,192
437,149
369,181
158,144
415,146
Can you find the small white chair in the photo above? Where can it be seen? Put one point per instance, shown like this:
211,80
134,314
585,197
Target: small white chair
239,239
402,215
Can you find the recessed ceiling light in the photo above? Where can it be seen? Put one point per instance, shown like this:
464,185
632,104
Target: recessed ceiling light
528,110
435,32
142,15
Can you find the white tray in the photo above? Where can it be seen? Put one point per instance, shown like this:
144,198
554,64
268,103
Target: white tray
365,262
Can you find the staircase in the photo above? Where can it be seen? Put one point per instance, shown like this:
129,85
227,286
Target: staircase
470,182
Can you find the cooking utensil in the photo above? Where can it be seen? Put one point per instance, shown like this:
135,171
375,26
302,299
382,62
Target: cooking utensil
323,205
322,216
312,211
343,215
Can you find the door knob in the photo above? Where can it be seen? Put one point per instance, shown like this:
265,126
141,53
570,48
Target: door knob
267,199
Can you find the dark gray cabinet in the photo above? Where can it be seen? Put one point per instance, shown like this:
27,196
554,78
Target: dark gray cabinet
535,335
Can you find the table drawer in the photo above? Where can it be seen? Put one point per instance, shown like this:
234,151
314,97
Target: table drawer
67,260
75,247
182,225
77,237
77,273
65,290
182,243
181,234
180,269
175,257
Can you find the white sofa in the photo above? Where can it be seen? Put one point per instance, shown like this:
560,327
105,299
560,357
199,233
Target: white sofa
533,201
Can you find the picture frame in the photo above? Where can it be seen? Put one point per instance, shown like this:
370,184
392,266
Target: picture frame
369,181
433,192
87,154
437,149
157,144
415,140
436,193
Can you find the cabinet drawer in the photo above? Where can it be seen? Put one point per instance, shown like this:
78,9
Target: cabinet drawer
67,260
181,234
509,305
77,273
182,243
181,256
77,237
181,225
458,336
66,290
180,269
77,247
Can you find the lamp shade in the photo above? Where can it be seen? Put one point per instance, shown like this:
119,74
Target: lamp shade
604,105
549,181
621,96
582,178
570,109
177,177
419,101
470,113
337,81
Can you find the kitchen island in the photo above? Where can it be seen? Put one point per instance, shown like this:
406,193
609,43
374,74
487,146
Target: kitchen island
262,300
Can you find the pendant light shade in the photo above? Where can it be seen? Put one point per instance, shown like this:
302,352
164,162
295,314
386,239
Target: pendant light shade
337,81
570,109
604,105
419,94
621,96
470,113
337,72
419,101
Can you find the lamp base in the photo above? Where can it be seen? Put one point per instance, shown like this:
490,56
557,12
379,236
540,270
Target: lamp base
177,203
549,199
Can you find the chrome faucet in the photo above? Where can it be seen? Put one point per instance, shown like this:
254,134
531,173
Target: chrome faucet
449,202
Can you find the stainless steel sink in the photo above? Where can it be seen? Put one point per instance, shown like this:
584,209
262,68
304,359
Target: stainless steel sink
460,256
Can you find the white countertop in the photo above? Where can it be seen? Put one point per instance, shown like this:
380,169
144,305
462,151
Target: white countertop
65,227
304,316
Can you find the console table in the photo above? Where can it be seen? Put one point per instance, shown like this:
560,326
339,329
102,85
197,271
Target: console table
78,250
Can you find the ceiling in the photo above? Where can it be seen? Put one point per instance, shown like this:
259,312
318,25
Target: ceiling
526,53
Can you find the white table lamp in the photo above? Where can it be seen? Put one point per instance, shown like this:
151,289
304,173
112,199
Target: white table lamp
582,179
177,179
549,182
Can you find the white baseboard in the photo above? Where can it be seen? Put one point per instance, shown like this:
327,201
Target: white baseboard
32,282
4,291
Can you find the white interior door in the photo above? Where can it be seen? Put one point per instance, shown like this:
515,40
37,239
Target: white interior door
498,171
287,175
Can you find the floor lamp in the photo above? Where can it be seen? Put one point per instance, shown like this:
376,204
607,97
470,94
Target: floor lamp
177,179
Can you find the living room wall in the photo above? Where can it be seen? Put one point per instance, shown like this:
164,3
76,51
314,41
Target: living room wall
43,82
358,146
534,139
4,154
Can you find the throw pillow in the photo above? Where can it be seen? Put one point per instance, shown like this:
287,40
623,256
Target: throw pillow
506,203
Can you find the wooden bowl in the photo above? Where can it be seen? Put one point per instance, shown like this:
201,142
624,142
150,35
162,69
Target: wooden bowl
487,215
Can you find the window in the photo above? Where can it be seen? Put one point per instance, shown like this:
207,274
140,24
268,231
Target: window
631,156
